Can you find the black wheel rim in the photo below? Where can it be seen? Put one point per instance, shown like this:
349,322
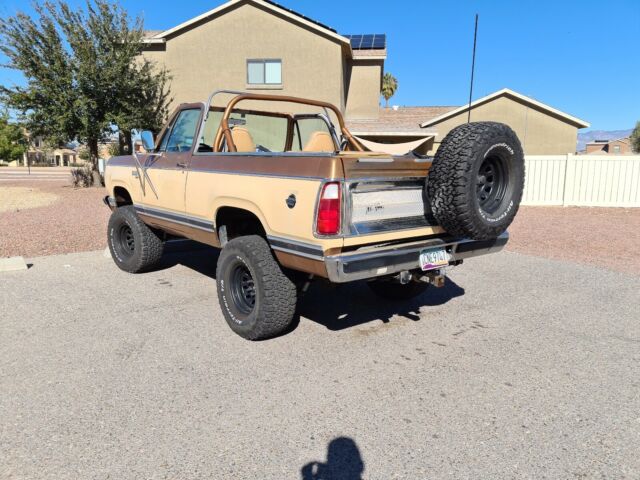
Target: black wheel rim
492,183
126,240
243,289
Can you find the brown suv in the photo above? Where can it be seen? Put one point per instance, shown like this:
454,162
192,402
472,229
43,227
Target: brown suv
291,196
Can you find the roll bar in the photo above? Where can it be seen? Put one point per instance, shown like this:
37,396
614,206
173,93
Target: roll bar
224,132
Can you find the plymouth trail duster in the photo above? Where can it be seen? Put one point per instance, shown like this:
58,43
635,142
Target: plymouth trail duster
289,195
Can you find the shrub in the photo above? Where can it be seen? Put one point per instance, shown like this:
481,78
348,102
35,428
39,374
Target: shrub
82,177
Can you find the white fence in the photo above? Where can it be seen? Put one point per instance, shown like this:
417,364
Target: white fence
584,180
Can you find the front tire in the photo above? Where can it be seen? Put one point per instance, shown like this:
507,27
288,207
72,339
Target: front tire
395,291
257,299
133,246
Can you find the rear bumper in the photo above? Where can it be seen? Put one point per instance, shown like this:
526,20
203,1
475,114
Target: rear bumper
377,262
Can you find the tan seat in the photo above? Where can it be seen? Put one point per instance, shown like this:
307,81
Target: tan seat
242,140
319,142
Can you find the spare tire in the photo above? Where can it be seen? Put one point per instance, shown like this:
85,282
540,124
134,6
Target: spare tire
476,180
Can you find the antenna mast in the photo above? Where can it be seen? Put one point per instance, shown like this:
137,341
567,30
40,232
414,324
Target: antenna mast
473,67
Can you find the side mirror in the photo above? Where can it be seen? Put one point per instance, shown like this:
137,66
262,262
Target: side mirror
147,140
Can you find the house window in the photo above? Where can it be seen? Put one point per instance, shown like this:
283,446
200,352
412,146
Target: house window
616,149
264,72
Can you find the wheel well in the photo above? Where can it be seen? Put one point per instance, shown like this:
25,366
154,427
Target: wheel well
234,222
122,196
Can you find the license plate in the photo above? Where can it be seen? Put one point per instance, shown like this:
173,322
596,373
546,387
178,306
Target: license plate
433,258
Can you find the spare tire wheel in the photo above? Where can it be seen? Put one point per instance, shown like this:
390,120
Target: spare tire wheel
476,180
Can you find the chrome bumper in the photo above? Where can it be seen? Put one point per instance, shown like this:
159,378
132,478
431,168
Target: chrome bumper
386,260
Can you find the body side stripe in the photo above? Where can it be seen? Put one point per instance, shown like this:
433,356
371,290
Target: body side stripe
288,245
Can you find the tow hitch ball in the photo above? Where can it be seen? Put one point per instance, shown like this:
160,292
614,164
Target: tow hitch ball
433,277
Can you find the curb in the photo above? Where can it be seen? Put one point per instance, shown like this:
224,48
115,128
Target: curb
12,264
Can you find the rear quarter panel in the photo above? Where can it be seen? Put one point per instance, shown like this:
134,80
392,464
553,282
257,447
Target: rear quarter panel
261,184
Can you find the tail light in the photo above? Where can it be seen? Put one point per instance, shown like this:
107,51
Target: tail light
329,209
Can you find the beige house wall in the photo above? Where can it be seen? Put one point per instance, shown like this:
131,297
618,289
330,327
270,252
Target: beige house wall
540,132
213,55
364,89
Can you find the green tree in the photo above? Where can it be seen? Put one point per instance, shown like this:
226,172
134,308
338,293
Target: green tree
13,142
114,149
84,154
84,73
389,87
635,138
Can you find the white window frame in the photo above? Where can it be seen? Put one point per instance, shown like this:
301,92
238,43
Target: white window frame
264,62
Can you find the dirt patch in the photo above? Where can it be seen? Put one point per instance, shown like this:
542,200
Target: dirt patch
76,222
605,237
13,199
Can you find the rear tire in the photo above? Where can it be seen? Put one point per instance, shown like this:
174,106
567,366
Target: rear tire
257,299
397,291
476,181
134,247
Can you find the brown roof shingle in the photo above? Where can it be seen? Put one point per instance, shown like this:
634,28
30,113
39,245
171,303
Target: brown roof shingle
404,119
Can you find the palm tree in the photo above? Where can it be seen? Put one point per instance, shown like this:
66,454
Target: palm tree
389,87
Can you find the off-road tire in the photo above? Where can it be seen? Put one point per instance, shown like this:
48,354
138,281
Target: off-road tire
274,294
397,291
134,247
469,157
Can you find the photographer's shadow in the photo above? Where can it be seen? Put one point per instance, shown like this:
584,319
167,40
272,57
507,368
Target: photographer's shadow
348,305
343,463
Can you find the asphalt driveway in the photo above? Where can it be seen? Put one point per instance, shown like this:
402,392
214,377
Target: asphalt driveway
521,367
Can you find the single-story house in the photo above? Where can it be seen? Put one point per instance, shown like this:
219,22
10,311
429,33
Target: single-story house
619,146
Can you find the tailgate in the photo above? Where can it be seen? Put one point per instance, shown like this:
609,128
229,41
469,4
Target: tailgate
385,194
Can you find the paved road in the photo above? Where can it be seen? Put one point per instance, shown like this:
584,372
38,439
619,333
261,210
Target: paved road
520,368
46,174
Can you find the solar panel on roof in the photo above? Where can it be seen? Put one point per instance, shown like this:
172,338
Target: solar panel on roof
368,42
380,41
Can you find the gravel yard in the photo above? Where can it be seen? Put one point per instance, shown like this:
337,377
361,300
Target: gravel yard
77,221
14,199
604,237
74,221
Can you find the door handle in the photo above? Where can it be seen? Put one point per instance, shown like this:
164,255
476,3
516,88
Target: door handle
181,165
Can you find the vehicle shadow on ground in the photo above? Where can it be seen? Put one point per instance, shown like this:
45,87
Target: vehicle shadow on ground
336,307
198,257
344,306
344,462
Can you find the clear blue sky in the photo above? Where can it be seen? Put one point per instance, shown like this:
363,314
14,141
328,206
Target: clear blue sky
580,56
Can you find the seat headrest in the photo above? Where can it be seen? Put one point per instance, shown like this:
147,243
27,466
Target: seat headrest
319,142
242,140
